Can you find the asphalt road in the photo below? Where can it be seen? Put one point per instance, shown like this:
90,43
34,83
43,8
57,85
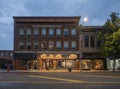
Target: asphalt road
86,80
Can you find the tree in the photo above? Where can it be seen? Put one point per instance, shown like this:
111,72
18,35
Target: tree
111,37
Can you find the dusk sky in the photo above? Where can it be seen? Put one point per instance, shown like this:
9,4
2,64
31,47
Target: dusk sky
97,12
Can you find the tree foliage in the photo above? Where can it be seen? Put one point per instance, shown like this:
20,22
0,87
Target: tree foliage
111,37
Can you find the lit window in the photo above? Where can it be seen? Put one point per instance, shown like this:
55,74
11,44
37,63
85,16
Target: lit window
51,45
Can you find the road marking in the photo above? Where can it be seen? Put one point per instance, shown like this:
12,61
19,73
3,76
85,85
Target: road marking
59,82
99,76
53,78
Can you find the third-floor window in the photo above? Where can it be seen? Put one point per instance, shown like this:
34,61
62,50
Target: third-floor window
66,32
51,32
58,32
36,32
21,32
43,32
28,32
73,32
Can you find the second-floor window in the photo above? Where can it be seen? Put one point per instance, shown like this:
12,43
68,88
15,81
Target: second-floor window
92,41
21,45
36,45
58,44
28,45
86,41
73,44
65,44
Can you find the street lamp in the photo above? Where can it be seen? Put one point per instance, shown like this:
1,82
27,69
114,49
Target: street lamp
85,19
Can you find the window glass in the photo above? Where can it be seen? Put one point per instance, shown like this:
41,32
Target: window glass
73,44
65,44
28,44
36,45
58,32
21,45
36,32
66,32
86,41
58,44
51,45
43,45
51,32
92,41
43,32
73,32
28,32
21,32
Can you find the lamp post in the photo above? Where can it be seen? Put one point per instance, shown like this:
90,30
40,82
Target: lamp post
85,19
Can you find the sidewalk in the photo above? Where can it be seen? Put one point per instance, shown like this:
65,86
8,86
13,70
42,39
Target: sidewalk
25,71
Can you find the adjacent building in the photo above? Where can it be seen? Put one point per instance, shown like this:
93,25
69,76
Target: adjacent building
6,58
56,43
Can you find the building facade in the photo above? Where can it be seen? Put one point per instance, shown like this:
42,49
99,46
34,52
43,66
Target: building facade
55,43
6,58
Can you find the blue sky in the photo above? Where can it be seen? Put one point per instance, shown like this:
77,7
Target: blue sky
97,12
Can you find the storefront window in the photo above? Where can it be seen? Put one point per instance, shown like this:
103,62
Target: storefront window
86,64
98,64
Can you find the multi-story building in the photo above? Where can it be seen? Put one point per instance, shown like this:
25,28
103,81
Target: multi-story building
6,58
48,43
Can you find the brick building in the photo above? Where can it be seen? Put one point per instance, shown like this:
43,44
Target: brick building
48,43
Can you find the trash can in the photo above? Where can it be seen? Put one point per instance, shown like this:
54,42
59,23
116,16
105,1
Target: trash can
69,69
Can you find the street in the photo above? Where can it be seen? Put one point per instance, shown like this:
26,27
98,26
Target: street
52,80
